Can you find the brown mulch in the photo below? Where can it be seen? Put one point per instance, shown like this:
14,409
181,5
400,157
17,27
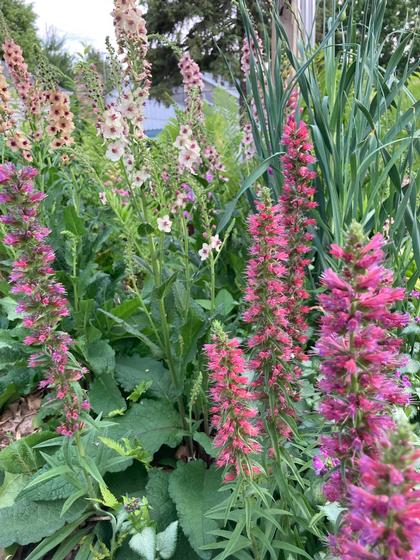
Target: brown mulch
16,420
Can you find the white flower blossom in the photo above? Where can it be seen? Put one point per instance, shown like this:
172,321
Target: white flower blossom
205,251
215,242
115,150
140,177
164,224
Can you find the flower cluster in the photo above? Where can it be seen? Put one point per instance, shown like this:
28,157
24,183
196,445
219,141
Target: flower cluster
214,163
131,33
6,113
296,202
184,196
27,90
193,85
383,521
115,130
192,79
233,418
215,244
60,119
248,145
252,49
41,298
359,355
266,298
16,139
129,23
189,151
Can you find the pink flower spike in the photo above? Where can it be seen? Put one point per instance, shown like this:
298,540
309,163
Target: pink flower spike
233,417
41,298
359,354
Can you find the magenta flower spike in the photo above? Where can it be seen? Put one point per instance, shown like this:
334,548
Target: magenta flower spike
383,519
296,202
267,313
359,356
41,298
233,417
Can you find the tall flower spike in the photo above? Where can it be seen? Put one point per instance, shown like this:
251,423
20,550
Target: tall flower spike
131,33
383,520
251,48
15,139
296,201
60,119
31,96
40,297
266,297
6,112
359,355
233,417
189,158
193,85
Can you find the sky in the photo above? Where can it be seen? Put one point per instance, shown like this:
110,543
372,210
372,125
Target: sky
80,21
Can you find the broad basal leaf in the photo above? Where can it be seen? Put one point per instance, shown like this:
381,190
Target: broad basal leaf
28,522
101,357
104,395
154,423
194,489
132,370
11,487
162,508
19,457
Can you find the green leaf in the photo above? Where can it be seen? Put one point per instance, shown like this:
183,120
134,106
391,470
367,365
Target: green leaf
190,329
195,490
139,391
206,443
89,465
10,393
154,423
19,457
28,522
54,540
166,541
282,545
49,474
162,508
255,175
73,222
332,511
71,544
109,500
131,482
224,302
132,370
71,500
104,395
101,357
123,553
9,306
204,303
126,309
156,351
144,543
11,487
57,488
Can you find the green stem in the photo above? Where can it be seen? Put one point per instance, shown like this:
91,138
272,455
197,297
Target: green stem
212,284
82,455
186,263
164,320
